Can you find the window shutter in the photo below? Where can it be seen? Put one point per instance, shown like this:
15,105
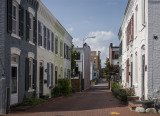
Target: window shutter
9,16
44,36
27,74
21,21
52,42
34,73
48,79
27,25
69,53
35,31
64,50
52,75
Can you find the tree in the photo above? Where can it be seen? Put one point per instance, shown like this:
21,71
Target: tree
110,70
73,62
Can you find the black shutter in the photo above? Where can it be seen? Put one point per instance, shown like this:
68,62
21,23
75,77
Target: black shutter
44,37
69,53
9,16
27,74
21,21
52,42
27,25
34,73
64,50
52,75
39,34
48,79
35,30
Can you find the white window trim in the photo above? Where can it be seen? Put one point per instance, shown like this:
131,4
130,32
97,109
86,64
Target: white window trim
31,88
16,51
31,55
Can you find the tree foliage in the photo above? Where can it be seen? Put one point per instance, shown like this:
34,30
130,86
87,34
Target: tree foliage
73,62
111,69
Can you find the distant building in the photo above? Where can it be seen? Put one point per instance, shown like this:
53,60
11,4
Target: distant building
83,65
113,54
95,58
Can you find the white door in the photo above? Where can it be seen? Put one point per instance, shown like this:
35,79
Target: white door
14,84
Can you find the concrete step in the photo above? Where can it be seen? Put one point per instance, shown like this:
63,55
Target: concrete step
133,104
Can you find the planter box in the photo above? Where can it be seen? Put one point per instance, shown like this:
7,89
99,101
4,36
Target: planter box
132,98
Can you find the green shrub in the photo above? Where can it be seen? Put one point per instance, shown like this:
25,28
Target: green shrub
73,90
32,101
62,88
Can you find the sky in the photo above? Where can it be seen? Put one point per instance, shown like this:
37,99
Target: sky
87,18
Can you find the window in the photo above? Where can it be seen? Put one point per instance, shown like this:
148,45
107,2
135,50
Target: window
94,61
61,72
14,19
78,56
116,55
31,28
61,49
30,73
143,12
94,57
14,12
94,74
48,39
136,19
56,45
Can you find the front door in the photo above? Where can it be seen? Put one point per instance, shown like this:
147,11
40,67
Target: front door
14,84
131,74
56,77
41,82
143,76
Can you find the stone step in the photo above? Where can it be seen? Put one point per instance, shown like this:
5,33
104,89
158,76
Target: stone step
133,104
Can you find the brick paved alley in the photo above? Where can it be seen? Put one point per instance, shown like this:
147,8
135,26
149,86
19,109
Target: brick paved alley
97,101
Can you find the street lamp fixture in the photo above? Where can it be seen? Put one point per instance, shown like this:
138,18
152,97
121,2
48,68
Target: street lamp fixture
87,38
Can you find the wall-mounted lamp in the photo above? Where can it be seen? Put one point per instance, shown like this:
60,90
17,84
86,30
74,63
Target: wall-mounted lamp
45,70
155,37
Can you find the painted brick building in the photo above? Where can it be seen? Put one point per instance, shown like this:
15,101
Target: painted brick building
139,45
113,54
35,51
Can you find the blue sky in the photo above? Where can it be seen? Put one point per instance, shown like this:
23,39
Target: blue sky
82,18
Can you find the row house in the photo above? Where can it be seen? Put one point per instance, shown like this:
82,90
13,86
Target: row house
35,51
113,54
139,48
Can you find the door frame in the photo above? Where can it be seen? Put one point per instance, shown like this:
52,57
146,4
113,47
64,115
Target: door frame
14,95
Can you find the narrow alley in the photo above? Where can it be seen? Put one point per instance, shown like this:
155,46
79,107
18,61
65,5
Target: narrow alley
97,101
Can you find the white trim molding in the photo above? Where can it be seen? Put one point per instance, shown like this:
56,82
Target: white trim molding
16,51
31,55
31,11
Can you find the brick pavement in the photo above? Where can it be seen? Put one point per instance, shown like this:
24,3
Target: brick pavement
97,101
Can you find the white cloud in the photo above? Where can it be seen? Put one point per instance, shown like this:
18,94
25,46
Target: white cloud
71,29
100,43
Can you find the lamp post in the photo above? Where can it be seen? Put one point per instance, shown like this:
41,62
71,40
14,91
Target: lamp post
82,62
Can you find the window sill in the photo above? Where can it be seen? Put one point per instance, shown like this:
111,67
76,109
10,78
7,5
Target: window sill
15,36
57,55
30,90
31,43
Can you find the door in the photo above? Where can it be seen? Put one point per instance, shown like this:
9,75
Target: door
143,76
41,81
131,74
56,77
14,84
